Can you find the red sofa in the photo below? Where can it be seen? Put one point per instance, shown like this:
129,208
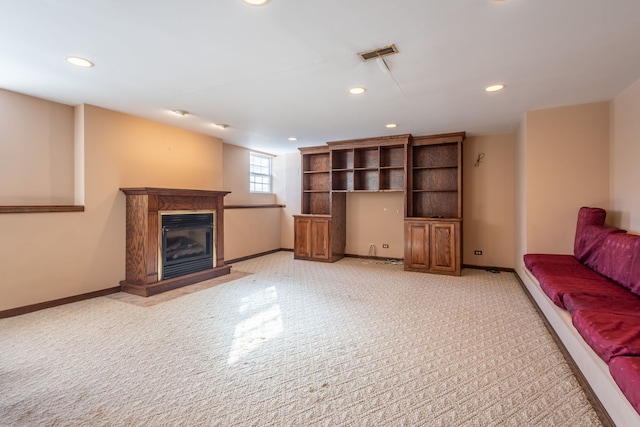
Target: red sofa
600,286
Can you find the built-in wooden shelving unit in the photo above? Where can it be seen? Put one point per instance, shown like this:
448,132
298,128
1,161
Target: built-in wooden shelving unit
427,169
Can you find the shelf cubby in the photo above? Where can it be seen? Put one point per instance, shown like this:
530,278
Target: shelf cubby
435,204
365,180
342,180
316,203
435,156
316,181
342,159
435,179
392,156
392,179
318,162
366,158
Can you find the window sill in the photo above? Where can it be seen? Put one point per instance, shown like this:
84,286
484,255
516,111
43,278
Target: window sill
41,209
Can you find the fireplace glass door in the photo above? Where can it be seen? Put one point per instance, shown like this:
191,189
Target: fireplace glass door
186,242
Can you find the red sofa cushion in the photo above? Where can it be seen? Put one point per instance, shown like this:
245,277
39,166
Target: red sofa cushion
619,259
625,371
628,304
562,274
531,261
609,334
586,216
592,239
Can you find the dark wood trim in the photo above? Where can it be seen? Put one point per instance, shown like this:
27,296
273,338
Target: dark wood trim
376,258
489,268
254,206
602,413
145,191
377,140
244,258
41,209
49,304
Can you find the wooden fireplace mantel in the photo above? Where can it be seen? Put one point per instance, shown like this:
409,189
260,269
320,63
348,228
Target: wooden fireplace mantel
142,236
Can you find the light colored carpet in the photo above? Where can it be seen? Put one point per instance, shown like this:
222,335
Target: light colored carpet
295,343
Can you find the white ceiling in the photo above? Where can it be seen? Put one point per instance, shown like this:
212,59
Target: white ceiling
283,69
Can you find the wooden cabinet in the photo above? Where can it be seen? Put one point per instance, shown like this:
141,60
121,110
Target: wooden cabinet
320,232
318,238
432,246
434,204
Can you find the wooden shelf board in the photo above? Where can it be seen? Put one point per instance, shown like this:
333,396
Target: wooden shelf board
435,191
41,209
435,167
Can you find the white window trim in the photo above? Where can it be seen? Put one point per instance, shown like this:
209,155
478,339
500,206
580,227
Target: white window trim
268,176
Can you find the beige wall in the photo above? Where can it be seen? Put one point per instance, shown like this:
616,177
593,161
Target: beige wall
567,166
37,151
625,154
488,201
520,201
375,218
55,255
236,178
289,194
249,231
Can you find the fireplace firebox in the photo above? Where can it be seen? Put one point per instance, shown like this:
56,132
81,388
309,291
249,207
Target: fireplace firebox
174,238
186,243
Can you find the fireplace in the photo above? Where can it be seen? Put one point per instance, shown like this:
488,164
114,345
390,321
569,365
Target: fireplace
174,238
186,243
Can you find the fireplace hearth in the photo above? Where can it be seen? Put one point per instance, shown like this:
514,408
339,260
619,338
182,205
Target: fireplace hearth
174,238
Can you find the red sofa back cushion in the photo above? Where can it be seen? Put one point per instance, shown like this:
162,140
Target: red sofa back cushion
609,251
592,241
586,217
619,260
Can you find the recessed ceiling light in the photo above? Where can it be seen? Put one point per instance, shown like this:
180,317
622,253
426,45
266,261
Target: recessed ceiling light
357,90
180,112
256,2
292,138
221,125
391,125
494,88
79,62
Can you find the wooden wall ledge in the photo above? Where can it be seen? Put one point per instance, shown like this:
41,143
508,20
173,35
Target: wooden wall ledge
79,208
41,209
253,206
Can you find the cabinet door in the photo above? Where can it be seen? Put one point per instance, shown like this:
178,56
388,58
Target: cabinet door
443,247
320,239
416,249
302,232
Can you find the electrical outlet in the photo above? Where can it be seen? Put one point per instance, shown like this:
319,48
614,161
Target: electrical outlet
385,246
477,252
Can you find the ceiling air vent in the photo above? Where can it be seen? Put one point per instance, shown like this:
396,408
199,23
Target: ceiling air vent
378,53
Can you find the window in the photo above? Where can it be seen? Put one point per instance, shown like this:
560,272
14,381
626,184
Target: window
259,173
